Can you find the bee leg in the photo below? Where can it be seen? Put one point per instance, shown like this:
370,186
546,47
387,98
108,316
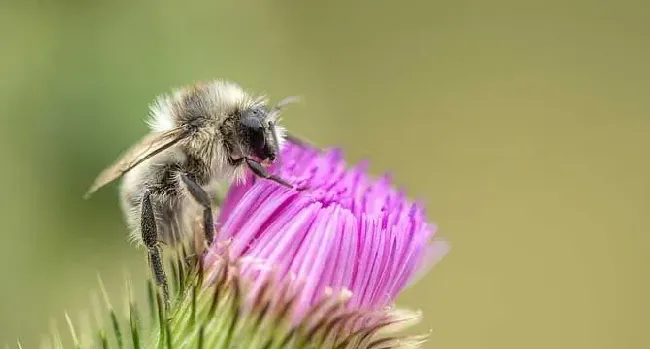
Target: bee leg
204,200
150,239
260,171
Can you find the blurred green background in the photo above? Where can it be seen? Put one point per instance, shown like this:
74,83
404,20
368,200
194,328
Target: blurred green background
524,126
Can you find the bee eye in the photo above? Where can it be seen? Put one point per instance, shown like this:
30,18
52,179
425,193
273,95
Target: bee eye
253,128
257,133
251,122
253,117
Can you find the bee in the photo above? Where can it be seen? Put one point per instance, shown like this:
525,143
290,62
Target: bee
200,137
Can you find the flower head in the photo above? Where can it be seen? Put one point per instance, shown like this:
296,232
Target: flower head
342,232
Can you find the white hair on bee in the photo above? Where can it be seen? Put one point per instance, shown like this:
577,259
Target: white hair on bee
160,111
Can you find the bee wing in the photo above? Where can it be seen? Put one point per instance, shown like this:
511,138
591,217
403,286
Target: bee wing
147,147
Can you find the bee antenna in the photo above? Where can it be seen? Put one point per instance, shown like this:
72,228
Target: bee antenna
273,116
289,100
275,111
278,159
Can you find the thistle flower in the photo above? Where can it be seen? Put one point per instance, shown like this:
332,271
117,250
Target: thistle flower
318,267
343,232
342,235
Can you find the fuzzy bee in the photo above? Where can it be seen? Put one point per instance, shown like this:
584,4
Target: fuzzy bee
201,136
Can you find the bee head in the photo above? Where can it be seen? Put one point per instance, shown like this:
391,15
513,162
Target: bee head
258,135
